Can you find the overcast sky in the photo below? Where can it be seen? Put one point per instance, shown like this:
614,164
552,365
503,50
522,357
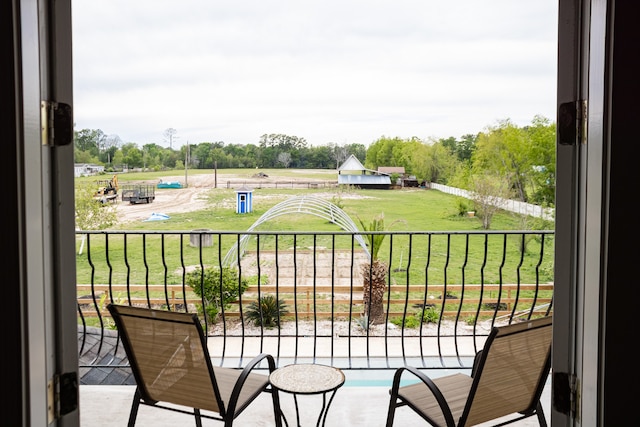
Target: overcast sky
329,71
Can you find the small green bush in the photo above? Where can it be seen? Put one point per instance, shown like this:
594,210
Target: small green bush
267,311
430,315
463,206
217,287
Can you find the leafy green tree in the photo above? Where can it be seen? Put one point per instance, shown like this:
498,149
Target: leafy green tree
504,150
489,192
463,148
519,155
542,133
443,164
89,140
170,158
358,150
118,158
84,156
381,153
321,157
132,155
90,213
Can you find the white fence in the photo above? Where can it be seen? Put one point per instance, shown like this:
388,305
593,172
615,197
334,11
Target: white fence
506,204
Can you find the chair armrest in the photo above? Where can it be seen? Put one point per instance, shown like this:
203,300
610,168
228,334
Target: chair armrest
246,371
433,388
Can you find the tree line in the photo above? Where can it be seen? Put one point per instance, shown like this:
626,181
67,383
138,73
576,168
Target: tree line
271,152
503,160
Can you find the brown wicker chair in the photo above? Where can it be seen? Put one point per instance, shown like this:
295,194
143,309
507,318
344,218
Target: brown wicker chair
170,361
507,378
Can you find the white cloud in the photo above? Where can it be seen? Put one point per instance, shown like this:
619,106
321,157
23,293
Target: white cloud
345,71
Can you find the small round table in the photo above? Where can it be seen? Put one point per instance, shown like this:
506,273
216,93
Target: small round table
308,378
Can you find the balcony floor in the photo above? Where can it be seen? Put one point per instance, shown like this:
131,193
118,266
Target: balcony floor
354,405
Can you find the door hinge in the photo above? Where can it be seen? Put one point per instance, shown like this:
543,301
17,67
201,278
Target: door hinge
572,122
56,121
566,395
582,121
62,395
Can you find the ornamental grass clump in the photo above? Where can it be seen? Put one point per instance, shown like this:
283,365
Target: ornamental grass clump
266,312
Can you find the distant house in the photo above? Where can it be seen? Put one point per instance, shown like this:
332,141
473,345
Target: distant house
87,169
352,172
389,170
403,179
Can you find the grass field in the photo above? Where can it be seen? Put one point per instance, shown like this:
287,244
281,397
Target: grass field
404,210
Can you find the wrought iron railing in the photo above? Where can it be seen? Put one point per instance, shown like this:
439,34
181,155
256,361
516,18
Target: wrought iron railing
443,292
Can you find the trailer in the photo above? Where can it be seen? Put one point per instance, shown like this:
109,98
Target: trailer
137,193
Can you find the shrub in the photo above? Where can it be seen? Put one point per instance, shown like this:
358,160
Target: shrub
217,288
463,206
267,311
363,321
430,315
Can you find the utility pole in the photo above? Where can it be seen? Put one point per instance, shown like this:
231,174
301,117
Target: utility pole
186,164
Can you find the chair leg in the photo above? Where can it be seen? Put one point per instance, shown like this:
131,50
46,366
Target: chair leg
540,413
196,412
392,409
277,412
134,409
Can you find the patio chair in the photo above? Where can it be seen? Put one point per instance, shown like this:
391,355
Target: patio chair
507,378
170,361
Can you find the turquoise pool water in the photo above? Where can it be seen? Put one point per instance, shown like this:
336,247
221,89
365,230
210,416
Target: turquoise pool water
384,378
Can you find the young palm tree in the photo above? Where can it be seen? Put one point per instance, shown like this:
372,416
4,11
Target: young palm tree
374,272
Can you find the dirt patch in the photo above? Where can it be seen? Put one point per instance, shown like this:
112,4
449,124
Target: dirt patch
170,200
193,197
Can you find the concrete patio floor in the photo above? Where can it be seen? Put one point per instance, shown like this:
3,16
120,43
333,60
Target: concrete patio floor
354,405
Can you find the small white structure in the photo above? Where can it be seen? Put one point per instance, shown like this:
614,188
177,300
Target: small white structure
244,200
86,169
352,172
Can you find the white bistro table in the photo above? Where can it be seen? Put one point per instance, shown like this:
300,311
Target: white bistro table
308,378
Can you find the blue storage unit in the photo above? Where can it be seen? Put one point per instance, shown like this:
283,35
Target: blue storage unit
244,200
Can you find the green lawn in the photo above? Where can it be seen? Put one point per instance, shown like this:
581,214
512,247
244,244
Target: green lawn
406,210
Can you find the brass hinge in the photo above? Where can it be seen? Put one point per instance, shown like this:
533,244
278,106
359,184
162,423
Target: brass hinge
56,123
582,121
62,395
572,122
575,394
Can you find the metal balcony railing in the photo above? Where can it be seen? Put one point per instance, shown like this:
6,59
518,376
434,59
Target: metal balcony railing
442,292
